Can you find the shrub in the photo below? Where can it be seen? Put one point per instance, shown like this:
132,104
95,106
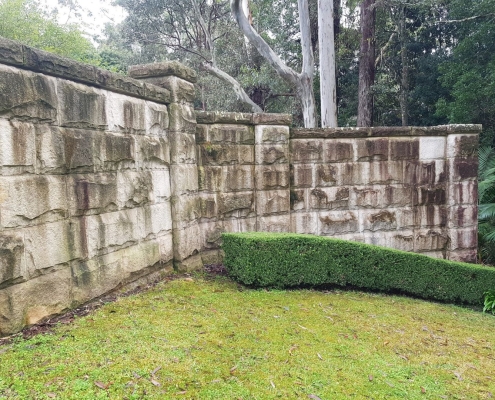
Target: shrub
288,260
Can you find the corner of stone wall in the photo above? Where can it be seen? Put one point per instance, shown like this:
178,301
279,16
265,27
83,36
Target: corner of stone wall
179,80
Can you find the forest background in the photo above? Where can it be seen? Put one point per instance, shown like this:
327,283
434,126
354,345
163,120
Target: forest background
432,61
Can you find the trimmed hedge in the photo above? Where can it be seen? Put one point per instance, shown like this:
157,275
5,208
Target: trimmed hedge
287,260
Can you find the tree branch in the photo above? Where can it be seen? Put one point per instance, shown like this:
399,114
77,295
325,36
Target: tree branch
455,21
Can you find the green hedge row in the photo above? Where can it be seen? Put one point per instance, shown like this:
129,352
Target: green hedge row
285,260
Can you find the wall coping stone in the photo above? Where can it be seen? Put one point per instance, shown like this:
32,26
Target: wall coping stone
161,69
19,55
384,131
219,117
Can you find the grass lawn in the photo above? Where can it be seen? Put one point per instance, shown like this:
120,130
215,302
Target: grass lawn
198,338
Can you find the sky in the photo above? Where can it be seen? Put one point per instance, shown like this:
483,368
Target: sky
96,13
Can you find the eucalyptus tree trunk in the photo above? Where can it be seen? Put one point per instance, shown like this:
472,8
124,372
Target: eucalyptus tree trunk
366,64
302,82
326,41
404,82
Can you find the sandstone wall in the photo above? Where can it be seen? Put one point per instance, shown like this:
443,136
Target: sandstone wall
107,180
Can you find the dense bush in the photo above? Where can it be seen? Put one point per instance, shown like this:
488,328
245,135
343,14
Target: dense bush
287,260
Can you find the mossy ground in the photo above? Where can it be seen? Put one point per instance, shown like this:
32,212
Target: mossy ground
198,338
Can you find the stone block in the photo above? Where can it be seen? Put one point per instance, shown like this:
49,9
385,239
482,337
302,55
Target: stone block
354,237
463,216
326,175
404,149
463,192
368,197
17,147
337,222
106,233
29,200
274,223
186,209
431,216
119,151
210,178
182,118
83,149
429,195
272,202
462,145
397,195
162,69
212,234
230,134
126,114
272,154
304,223
153,152
12,257
302,175
166,244
436,254
202,134
383,172
272,134
276,176
425,173
128,86
190,264
81,106
461,169
225,154
299,199
209,205
238,201
359,173
464,238
34,300
11,52
27,96
306,151
50,149
430,240
390,219
182,148
372,149
156,119
338,151
181,91
240,224
188,241
156,219
237,178
432,148
215,256
53,244
333,198
161,191
184,179
133,188
155,93
92,193
399,240
465,255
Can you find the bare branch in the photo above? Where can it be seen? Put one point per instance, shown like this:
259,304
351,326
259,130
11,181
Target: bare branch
455,21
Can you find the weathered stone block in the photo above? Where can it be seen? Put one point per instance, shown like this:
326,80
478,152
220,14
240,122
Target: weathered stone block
166,247
125,114
302,175
383,172
27,96
367,197
12,258
187,242
230,202
358,174
210,178
17,147
237,178
153,152
272,134
182,118
272,177
465,255
81,106
326,175
209,205
432,148
230,134
400,240
272,154
31,301
162,69
240,224
338,151
272,202
156,119
180,89
29,200
464,238
182,148
186,209
119,151
425,173
212,234
461,169
306,151
53,244
389,219
430,216
50,149
462,146
333,198
304,223
156,219
372,149
274,223
299,199
464,216
133,188
125,85
225,154
11,52
430,240
82,149
429,195
184,179
92,193
463,192
161,191
397,195
336,222
404,149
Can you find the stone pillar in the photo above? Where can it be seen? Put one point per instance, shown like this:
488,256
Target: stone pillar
180,80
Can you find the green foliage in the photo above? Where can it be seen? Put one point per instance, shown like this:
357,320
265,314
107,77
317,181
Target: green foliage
489,304
286,260
486,209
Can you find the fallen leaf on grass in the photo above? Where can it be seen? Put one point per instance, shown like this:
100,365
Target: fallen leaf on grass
302,327
458,375
314,397
292,349
51,395
232,370
319,356
156,383
370,377
273,385
156,370
423,390
102,385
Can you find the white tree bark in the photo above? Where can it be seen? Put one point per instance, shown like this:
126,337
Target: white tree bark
326,42
303,82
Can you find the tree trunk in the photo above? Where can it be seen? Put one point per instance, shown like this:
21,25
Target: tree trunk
366,64
326,41
404,82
